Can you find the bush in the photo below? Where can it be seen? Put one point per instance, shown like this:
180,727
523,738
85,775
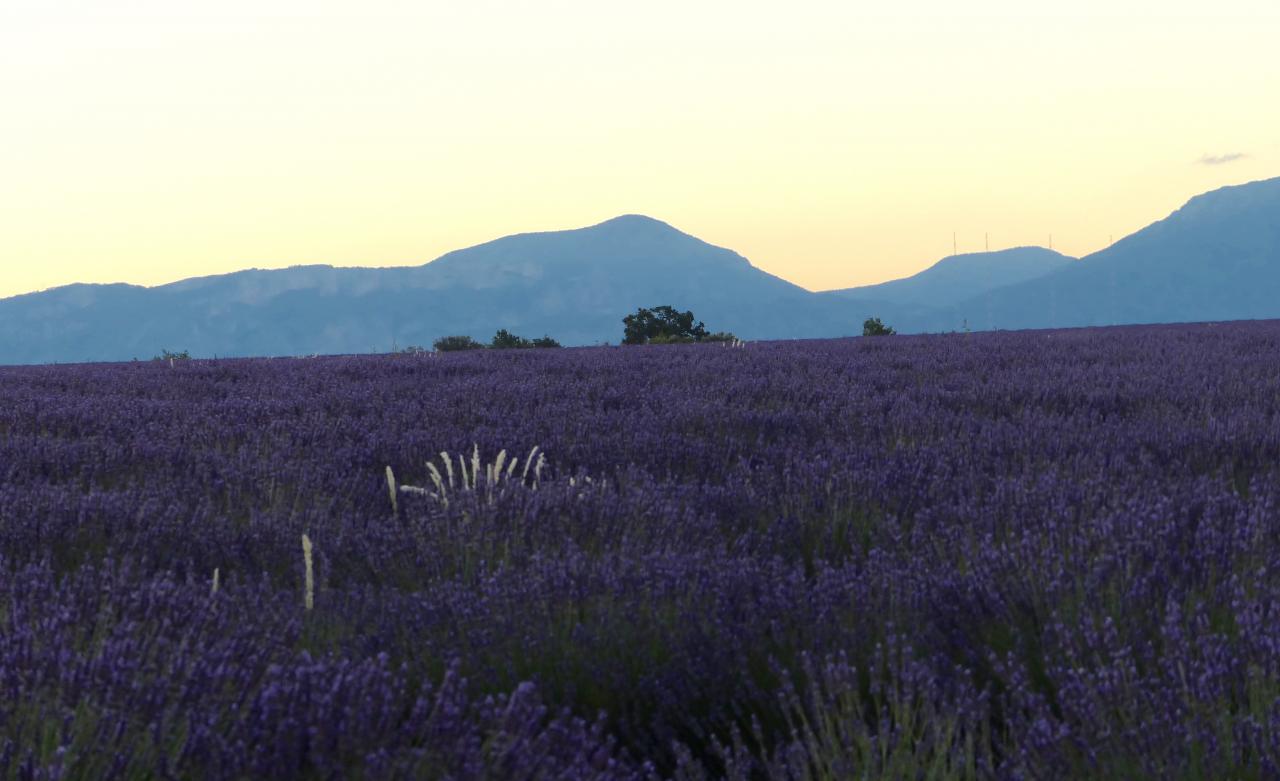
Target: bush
662,325
670,339
719,336
873,327
505,340
447,344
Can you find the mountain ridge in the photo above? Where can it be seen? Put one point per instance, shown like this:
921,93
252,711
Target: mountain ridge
957,277
575,285
1217,257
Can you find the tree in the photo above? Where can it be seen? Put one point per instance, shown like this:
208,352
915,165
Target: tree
661,325
451,343
873,327
505,340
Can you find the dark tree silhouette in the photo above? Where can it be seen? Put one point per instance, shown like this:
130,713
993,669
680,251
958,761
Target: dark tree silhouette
661,325
451,343
505,340
873,327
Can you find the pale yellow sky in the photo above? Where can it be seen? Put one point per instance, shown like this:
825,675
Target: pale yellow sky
831,143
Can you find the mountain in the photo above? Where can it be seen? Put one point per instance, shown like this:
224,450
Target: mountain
1216,258
574,285
960,277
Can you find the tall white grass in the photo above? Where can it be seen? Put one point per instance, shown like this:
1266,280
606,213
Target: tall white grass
308,599
473,475
391,489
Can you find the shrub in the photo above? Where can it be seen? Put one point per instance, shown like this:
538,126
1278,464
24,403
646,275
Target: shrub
452,343
670,339
719,336
505,340
873,327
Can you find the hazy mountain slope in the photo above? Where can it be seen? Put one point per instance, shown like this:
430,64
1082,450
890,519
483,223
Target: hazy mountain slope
574,285
581,283
959,277
1216,258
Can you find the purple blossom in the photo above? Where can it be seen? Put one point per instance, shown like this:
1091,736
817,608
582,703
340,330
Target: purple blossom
983,556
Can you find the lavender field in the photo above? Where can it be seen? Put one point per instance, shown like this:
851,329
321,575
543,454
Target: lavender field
1030,555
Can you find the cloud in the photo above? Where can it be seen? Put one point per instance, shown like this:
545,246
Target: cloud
1230,157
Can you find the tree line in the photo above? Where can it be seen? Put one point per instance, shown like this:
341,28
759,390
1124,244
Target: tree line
502,340
656,325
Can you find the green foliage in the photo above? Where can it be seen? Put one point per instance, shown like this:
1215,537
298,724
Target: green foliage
664,338
166,355
668,338
873,327
505,340
453,343
719,336
662,325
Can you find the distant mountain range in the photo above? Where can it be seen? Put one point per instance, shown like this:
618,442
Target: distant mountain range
1217,258
954,279
573,285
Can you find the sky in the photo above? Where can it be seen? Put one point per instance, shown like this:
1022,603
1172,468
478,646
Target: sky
832,143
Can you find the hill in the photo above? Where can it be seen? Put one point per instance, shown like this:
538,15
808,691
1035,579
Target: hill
959,277
1216,258
575,285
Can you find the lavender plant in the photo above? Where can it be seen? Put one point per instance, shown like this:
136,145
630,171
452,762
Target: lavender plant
995,555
